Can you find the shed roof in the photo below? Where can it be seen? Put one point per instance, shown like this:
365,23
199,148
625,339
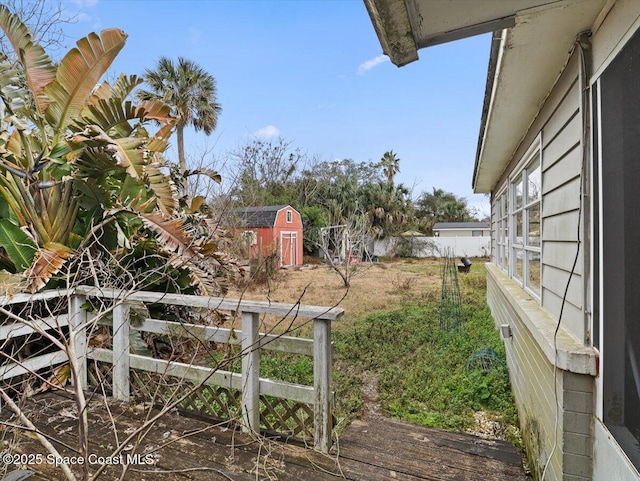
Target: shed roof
264,216
460,225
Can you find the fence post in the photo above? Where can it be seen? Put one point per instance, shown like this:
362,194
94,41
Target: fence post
322,361
121,352
250,372
78,337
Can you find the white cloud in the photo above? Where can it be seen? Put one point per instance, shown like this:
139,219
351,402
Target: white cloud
374,62
267,132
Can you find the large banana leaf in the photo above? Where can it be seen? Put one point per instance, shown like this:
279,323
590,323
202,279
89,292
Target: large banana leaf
77,75
38,68
121,89
47,262
172,233
109,114
159,142
12,93
131,154
20,248
199,276
163,188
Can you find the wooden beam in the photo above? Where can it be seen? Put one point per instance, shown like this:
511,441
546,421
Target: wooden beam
221,303
250,372
17,329
322,363
273,342
78,337
121,352
33,364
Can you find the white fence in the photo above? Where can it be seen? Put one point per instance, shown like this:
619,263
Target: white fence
77,323
433,246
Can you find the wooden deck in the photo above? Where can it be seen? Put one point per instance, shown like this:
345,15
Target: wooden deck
184,448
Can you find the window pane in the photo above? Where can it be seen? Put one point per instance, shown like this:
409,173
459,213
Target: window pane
534,225
518,254
534,182
519,232
533,263
517,195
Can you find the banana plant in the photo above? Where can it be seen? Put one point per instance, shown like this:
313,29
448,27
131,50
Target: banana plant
75,154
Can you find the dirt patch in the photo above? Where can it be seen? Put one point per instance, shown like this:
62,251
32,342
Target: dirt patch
380,287
372,407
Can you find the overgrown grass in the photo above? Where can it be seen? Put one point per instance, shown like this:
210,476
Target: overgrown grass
421,370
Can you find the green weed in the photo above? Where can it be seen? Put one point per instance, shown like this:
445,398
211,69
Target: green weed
421,371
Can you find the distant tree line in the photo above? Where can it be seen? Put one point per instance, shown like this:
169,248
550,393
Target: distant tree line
274,172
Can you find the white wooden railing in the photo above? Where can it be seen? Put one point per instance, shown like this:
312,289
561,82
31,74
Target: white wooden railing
249,338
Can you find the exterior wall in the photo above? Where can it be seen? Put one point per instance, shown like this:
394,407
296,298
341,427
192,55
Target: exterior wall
586,449
266,242
459,232
560,125
609,461
530,361
436,246
530,351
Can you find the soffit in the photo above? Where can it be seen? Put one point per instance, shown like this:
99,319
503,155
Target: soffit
404,26
530,59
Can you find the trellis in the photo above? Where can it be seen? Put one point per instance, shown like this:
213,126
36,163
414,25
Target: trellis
451,315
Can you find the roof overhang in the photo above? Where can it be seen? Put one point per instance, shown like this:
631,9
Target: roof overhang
525,63
531,45
405,26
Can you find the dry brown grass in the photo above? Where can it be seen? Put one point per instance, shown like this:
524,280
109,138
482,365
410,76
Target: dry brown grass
382,287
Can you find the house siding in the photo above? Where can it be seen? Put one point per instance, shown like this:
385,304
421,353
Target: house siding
532,381
559,124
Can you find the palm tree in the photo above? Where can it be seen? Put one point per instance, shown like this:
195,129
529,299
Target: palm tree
87,175
190,91
390,164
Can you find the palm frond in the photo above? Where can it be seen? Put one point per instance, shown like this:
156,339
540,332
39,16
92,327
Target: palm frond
38,68
47,262
78,73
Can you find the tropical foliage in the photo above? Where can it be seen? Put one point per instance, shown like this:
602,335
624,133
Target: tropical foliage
441,206
83,180
273,172
390,164
190,91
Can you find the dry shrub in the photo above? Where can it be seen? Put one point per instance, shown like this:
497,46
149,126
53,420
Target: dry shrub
403,283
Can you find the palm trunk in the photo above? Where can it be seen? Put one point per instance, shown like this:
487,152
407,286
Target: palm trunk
182,163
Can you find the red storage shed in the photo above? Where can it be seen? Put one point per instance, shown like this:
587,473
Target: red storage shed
273,228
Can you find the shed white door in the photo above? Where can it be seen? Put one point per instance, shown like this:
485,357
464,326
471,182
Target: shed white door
289,248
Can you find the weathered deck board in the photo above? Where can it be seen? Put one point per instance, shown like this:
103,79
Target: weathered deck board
371,450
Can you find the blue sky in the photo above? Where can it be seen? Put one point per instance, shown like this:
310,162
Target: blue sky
313,73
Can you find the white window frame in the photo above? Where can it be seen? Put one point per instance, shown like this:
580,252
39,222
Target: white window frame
289,217
522,246
502,229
